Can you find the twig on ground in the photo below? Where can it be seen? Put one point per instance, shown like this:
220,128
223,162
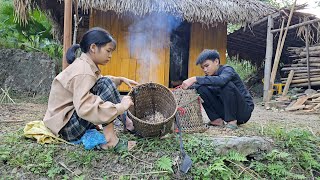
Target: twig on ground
146,173
10,121
65,166
248,170
140,159
6,97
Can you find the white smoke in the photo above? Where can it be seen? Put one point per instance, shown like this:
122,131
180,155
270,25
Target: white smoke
148,36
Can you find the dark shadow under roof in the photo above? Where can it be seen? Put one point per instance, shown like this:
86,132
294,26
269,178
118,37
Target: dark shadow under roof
250,42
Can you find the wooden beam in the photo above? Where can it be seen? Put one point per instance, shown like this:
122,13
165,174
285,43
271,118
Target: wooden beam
274,15
268,62
67,31
297,25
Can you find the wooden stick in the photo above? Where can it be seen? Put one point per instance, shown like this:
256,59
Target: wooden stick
305,71
297,25
293,108
297,68
297,77
6,94
312,53
311,48
10,121
136,174
306,84
268,62
286,87
76,22
305,80
308,64
277,58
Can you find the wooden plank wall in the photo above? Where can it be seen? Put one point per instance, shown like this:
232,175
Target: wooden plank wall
128,61
203,37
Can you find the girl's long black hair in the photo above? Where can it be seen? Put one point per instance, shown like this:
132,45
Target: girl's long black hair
96,35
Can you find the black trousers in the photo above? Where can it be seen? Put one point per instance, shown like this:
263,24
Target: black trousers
225,102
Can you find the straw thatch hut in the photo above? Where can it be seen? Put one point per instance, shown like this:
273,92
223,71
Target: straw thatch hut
159,40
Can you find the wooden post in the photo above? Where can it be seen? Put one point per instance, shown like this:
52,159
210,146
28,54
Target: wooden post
307,48
268,61
286,87
67,31
277,58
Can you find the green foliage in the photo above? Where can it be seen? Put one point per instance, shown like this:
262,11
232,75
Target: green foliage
164,164
273,3
233,27
298,158
34,36
243,67
82,158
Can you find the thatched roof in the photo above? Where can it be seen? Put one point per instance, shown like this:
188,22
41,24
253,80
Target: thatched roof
208,12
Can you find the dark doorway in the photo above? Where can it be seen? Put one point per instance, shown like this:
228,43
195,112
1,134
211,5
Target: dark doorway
179,54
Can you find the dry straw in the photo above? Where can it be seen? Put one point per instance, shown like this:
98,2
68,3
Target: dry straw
208,12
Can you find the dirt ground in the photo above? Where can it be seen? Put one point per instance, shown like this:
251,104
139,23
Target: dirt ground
14,117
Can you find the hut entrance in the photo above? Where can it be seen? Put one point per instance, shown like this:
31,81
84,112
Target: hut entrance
179,54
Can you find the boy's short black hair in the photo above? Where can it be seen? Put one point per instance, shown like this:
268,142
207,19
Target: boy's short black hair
206,54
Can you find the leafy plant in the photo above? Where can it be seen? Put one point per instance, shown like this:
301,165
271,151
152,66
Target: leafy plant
243,67
165,164
34,36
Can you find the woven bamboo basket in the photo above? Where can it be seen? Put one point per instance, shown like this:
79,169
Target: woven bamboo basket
148,99
189,110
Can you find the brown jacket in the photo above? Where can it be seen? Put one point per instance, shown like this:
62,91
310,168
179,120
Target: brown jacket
70,91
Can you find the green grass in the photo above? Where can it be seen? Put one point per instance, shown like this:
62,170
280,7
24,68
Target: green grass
243,67
295,156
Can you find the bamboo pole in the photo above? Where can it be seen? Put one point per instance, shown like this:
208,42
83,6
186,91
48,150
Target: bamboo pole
67,30
306,84
269,52
306,80
286,87
277,58
307,48
297,25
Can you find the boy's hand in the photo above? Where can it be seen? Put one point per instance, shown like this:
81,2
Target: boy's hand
126,101
188,82
128,82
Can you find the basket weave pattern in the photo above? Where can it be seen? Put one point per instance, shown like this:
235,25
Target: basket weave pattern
189,108
149,98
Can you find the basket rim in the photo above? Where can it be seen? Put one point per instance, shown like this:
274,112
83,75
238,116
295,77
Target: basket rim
157,123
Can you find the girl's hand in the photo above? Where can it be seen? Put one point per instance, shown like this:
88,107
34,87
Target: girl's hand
126,101
128,82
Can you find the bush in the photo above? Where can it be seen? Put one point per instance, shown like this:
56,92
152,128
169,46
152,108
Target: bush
34,36
243,67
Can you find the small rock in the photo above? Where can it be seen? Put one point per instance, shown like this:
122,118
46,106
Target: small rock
310,91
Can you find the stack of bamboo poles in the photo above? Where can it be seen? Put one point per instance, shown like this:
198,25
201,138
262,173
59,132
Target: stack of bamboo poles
299,65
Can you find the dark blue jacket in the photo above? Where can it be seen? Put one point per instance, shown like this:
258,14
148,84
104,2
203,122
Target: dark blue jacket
224,75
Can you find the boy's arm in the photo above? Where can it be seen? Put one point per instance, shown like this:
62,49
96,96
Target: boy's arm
226,75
